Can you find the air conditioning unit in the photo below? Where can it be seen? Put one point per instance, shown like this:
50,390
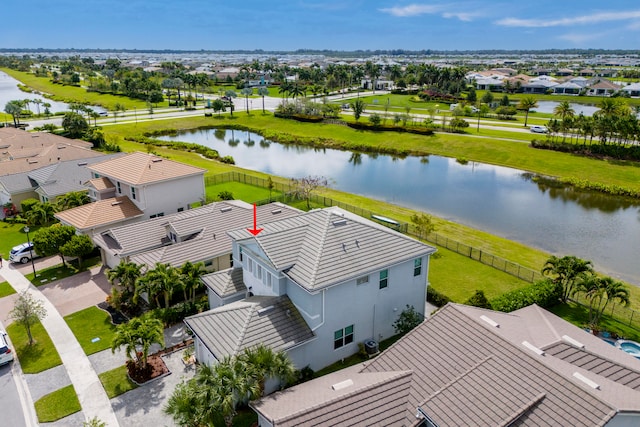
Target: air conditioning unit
371,347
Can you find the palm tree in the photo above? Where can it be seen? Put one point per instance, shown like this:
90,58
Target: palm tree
527,103
190,279
263,91
126,274
567,272
183,405
233,386
564,111
163,279
41,214
72,200
246,92
15,109
599,291
137,336
263,363
231,94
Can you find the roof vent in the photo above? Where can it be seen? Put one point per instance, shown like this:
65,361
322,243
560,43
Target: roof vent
533,348
340,222
573,342
156,160
342,385
586,380
83,164
61,147
490,321
276,211
265,310
225,209
119,202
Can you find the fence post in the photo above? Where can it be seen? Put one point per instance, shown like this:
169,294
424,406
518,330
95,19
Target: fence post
631,319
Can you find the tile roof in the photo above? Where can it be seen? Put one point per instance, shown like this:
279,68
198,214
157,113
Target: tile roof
100,213
467,372
140,168
366,401
329,246
147,241
225,282
101,184
272,321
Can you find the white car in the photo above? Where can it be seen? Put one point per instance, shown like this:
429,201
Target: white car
22,253
538,129
6,355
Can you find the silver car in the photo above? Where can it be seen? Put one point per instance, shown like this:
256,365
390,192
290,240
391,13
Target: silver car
6,355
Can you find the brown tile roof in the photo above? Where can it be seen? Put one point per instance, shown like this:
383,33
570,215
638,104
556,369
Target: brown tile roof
101,184
100,213
140,168
470,371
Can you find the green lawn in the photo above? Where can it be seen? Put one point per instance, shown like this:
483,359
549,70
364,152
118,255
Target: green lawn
40,356
57,405
116,382
89,324
579,316
6,289
57,272
13,235
240,191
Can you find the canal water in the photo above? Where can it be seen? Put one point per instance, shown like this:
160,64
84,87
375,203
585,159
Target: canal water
502,201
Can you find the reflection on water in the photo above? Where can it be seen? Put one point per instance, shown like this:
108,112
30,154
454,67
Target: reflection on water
499,200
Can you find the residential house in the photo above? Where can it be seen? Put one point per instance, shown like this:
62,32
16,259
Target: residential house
564,72
196,235
467,366
602,87
586,72
538,86
135,187
633,89
48,182
22,151
377,84
313,267
567,88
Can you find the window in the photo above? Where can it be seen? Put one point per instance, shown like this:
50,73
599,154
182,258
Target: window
180,209
241,258
267,279
362,280
133,193
230,260
384,279
417,266
156,215
208,263
119,188
258,272
342,337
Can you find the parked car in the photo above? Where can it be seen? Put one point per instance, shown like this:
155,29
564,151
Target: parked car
22,253
538,129
6,355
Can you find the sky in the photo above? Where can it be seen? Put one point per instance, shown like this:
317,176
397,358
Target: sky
320,24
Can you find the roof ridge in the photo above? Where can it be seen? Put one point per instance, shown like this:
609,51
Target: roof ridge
318,257
243,331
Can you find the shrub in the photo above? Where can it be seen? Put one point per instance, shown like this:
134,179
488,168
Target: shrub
478,299
545,293
28,204
225,195
506,113
407,320
436,298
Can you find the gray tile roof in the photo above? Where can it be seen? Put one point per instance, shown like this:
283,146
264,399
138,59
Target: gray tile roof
148,239
272,321
225,282
329,246
467,372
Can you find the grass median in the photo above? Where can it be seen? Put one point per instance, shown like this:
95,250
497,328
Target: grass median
57,405
39,356
92,328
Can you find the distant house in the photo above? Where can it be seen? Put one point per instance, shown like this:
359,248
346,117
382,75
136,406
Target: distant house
567,88
467,366
633,89
197,235
493,84
135,187
377,84
326,280
602,87
586,72
539,86
564,72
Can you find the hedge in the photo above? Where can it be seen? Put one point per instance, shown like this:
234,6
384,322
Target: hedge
545,293
436,298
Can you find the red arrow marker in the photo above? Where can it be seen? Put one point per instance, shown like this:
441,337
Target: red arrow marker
255,230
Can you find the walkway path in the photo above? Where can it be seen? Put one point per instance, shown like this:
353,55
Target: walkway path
91,394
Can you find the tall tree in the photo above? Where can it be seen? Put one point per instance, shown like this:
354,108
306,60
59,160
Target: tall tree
358,107
126,274
79,246
567,272
247,91
527,103
49,240
231,94
263,91
600,291
72,199
190,275
14,108
137,336
27,311
162,280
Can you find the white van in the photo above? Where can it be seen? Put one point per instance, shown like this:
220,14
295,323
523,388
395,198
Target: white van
22,253
538,129
6,355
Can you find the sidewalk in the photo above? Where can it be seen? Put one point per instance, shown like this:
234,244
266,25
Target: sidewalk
91,394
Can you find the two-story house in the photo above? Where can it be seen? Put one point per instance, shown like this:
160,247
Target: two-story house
135,187
317,284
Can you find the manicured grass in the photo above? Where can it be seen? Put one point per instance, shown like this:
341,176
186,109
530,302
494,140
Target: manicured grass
116,382
240,191
89,324
13,235
458,277
60,271
57,405
40,356
579,316
6,289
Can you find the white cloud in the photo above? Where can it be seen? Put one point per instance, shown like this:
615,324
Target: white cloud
412,10
430,9
580,38
585,19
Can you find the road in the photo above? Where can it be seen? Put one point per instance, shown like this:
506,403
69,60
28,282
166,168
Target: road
12,395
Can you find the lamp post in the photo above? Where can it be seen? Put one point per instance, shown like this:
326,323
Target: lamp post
26,230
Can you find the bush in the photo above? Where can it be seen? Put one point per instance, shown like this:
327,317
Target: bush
28,204
506,113
436,298
478,299
545,293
